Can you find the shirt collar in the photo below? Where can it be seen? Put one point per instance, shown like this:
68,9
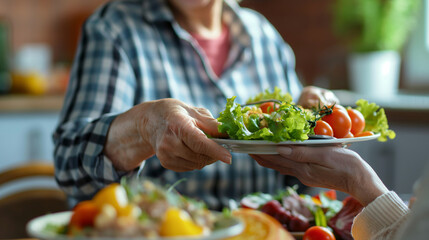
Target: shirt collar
159,11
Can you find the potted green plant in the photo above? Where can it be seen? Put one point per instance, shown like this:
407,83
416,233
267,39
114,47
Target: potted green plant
374,31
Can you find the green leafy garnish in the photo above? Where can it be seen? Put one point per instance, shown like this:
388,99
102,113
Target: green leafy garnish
288,191
55,228
331,206
319,217
375,119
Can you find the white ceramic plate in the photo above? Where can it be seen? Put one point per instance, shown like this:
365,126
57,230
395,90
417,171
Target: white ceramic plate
268,147
36,228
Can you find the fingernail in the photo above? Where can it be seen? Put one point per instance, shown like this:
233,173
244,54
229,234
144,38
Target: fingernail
284,150
226,159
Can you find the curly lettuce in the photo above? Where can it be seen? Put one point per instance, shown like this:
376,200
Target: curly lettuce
276,94
375,119
287,123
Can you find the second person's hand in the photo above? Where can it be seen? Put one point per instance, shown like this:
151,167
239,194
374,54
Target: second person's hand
328,167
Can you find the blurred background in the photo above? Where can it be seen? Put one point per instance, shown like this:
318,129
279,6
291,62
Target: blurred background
38,40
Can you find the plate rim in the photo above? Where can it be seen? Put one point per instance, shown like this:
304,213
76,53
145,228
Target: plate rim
269,147
308,142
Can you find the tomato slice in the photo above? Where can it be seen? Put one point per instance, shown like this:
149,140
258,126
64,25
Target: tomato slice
364,134
268,107
332,194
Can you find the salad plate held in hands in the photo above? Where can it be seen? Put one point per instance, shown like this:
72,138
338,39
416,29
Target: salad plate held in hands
268,147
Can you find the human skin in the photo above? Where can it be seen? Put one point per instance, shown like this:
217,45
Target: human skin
314,97
327,167
203,17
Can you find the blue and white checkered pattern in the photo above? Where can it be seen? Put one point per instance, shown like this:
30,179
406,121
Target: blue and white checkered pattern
133,51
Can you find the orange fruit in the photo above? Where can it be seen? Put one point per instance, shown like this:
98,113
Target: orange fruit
260,226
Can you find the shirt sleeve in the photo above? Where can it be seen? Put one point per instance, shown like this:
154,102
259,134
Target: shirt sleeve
101,86
417,224
381,218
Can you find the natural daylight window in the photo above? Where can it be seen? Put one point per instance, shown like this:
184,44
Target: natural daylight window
416,55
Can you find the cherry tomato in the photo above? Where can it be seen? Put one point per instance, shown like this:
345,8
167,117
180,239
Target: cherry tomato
84,214
334,107
364,134
318,233
358,121
349,135
268,107
340,122
323,128
339,107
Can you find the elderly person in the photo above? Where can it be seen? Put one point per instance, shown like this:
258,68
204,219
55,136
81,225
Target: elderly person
146,79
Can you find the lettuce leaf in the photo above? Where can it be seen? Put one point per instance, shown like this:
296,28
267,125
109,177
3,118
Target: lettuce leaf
233,120
375,119
276,94
288,123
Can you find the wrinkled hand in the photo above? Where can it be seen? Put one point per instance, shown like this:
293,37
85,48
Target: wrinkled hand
314,96
177,137
328,167
174,132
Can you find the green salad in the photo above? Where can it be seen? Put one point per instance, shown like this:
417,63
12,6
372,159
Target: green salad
287,121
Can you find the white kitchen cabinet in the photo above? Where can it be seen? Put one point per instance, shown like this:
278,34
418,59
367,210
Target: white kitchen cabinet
26,127
26,137
399,162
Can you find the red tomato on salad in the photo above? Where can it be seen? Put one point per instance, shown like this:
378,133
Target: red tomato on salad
339,107
340,122
318,233
323,128
84,214
358,121
268,107
349,135
364,134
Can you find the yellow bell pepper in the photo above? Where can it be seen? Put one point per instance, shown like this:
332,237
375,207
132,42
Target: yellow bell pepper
177,222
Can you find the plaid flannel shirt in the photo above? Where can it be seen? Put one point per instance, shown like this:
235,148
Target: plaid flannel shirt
131,51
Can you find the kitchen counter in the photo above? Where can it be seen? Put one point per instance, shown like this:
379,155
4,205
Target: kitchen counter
29,103
404,107
26,125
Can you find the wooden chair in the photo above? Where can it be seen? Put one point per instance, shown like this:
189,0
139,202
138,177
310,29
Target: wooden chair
20,207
